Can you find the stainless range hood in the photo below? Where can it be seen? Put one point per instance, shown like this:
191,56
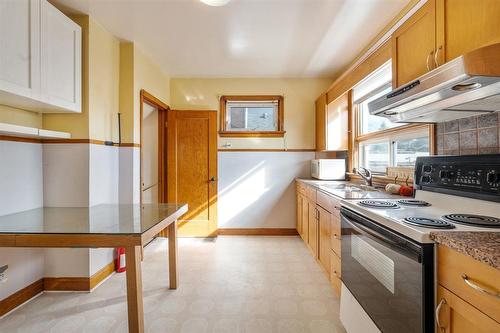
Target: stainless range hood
468,85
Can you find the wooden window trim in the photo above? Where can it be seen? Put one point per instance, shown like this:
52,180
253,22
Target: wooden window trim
223,132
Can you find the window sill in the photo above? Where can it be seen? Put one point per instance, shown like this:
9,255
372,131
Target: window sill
263,134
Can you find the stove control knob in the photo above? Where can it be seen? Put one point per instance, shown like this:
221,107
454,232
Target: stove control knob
427,168
426,179
492,177
443,174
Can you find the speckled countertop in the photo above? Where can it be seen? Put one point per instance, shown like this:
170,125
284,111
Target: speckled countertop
483,246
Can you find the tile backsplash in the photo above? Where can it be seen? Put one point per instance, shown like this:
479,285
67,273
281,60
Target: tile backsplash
469,136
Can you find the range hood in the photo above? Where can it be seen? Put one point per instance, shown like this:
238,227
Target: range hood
466,86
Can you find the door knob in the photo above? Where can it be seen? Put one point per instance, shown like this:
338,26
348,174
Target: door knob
212,179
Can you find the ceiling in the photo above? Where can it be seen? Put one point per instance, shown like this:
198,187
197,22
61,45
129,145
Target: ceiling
246,38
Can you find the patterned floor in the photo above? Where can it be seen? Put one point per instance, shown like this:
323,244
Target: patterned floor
231,284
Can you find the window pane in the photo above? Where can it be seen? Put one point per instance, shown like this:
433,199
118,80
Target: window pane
249,116
371,123
407,151
375,156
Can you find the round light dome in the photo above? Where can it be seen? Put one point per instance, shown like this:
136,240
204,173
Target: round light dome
216,3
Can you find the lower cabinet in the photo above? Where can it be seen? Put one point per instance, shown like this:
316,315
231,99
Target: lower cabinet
318,223
467,294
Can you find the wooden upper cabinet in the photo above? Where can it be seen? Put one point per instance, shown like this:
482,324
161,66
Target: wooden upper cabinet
464,25
337,123
413,45
321,123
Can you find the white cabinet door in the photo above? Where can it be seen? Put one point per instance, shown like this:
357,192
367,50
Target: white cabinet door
61,59
19,49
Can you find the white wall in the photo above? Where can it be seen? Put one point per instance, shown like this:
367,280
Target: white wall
129,175
257,189
21,188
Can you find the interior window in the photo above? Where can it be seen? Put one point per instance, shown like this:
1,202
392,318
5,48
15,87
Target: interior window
251,116
375,156
406,151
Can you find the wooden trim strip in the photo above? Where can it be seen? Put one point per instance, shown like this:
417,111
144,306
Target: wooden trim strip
257,232
268,150
102,274
151,99
13,301
19,139
66,284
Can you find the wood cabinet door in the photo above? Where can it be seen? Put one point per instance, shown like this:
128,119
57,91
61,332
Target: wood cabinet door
299,213
321,123
454,315
324,250
464,25
20,48
305,219
61,59
313,229
413,45
337,124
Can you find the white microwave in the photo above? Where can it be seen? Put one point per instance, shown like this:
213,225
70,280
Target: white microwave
328,169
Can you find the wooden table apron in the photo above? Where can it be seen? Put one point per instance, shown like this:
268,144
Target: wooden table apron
132,243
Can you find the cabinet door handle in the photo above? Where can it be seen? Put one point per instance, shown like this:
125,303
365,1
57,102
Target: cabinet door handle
474,286
442,328
436,56
427,61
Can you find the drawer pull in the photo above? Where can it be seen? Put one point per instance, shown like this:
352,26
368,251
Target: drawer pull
442,328
474,286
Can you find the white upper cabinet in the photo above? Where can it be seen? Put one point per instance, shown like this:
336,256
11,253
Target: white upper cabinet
40,57
61,42
19,47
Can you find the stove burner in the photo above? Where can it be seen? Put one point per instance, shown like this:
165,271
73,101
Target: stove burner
413,203
378,204
428,222
474,220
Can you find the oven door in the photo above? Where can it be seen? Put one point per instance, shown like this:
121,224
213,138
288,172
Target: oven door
389,275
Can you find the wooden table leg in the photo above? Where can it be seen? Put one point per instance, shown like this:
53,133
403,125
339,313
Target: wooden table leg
172,254
134,290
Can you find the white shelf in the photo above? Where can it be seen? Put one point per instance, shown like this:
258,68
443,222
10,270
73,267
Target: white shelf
31,132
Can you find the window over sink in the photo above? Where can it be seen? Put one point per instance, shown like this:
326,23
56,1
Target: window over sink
379,143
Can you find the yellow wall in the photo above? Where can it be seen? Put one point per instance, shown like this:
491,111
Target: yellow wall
299,97
20,117
138,72
150,77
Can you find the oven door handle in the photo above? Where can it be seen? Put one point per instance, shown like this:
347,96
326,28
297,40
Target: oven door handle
408,252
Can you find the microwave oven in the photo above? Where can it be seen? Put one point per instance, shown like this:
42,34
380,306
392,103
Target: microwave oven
328,169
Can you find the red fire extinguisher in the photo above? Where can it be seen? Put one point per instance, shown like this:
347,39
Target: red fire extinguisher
120,260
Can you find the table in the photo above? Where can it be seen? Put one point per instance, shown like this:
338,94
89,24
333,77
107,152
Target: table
102,226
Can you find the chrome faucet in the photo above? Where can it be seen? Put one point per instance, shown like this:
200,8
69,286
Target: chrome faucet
366,175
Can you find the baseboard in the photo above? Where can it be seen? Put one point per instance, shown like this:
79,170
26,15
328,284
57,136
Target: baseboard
102,274
257,232
55,284
66,284
13,301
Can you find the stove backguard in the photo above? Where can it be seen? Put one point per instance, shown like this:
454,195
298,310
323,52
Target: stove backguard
474,176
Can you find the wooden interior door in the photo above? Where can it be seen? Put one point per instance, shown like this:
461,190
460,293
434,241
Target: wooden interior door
192,169
413,45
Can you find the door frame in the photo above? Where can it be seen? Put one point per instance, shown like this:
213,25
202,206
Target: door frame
146,97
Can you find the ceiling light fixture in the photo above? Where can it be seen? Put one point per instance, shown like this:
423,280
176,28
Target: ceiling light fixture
215,3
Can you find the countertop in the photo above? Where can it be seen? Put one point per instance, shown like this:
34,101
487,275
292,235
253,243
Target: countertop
348,190
483,246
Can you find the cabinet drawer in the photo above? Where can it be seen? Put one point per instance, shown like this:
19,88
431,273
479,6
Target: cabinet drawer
335,272
453,267
335,207
324,201
335,235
